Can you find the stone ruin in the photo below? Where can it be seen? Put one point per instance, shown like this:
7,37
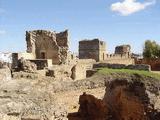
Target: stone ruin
49,52
96,49
92,49
48,45
44,48
123,50
48,55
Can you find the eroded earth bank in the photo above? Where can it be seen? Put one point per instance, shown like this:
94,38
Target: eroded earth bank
116,96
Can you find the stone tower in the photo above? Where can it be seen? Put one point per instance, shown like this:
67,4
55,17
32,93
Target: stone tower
123,50
92,49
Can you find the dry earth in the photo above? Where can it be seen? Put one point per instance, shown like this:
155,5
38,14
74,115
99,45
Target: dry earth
45,98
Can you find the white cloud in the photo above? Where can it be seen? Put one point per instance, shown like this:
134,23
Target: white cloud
128,7
2,32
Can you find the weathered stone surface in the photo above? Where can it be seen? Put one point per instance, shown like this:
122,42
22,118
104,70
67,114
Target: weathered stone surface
123,50
92,49
125,99
25,75
119,59
29,100
27,66
60,72
48,45
5,73
132,100
92,108
78,72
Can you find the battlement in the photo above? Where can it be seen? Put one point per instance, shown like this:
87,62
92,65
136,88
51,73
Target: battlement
119,59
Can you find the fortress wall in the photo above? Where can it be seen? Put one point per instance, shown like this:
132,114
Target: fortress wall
126,61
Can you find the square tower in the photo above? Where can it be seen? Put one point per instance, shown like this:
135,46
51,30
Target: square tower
92,49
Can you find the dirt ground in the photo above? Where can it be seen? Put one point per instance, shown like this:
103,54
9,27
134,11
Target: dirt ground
71,98
158,72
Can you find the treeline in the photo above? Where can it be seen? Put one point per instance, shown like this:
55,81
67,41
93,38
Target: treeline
151,49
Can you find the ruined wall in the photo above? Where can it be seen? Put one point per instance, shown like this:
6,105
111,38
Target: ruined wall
154,63
78,72
42,63
123,66
88,63
119,59
92,49
17,56
48,45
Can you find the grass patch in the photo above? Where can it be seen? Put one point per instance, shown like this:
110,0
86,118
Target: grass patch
128,71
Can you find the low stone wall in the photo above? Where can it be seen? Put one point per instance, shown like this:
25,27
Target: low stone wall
60,72
126,61
67,72
88,63
25,75
123,66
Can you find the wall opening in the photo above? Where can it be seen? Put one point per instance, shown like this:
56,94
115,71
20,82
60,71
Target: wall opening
43,55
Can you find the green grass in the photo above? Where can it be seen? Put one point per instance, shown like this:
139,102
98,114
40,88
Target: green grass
128,71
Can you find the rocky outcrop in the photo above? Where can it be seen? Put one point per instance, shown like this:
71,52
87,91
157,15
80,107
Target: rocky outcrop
125,99
5,73
132,100
92,108
22,101
27,66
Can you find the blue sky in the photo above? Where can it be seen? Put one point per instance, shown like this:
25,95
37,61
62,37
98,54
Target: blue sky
114,21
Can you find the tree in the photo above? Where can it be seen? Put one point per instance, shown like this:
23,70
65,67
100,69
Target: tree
151,49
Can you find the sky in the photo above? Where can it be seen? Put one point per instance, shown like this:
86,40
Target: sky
116,22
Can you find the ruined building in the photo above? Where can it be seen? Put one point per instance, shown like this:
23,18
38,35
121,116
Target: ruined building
44,48
122,55
92,49
123,50
48,54
96,49
48,45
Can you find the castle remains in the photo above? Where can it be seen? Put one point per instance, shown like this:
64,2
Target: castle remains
92,49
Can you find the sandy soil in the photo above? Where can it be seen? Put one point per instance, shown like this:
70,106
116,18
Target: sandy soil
71,98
